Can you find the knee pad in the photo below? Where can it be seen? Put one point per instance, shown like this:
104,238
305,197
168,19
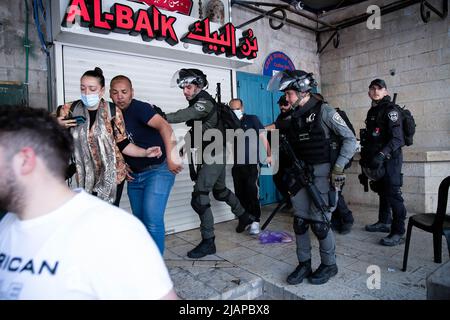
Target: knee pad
320,229
222,194
300,225
196,204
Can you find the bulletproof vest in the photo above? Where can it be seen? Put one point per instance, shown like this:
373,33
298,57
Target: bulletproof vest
308,138
377,129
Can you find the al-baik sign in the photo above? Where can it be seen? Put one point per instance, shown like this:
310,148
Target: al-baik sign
152,24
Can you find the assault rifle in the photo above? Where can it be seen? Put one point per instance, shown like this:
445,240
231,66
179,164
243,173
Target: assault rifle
301,176
363,179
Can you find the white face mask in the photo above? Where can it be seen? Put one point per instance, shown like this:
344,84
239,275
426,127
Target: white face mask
90,100
238,113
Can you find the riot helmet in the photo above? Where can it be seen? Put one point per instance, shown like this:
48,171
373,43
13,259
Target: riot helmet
374,174
183,77
297,80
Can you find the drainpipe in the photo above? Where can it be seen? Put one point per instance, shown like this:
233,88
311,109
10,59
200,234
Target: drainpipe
26,44
49,33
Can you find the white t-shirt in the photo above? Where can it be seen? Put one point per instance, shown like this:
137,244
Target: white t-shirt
86,249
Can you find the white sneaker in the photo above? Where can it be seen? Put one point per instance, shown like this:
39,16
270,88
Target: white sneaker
254,228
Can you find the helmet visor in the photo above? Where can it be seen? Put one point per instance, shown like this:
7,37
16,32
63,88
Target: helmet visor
179,82
279,82
274,83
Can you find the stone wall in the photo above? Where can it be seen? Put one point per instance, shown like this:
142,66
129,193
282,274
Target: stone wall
420,55
12,51
299,44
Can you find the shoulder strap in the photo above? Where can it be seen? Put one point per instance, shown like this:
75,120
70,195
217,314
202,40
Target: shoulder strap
72,106
381,118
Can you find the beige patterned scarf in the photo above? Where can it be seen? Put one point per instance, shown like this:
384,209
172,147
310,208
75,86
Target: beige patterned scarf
98,177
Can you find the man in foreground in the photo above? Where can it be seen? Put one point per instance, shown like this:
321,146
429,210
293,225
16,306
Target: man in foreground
56,243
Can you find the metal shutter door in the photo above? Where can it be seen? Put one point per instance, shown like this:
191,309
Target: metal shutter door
151,78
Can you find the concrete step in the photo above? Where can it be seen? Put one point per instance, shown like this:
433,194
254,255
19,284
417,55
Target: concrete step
438,283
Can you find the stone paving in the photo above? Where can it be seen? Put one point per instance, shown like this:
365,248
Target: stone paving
243,268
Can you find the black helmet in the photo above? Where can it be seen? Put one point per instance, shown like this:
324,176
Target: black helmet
183,77
374,174
297,80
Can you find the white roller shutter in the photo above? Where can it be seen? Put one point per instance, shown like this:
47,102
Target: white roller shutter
151,78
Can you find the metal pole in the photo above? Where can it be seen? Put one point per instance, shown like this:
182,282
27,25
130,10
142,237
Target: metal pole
286,7
295,23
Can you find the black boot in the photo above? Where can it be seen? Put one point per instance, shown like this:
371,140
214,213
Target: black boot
323,273
302,271
392,239
207,246
346,227
245,220
378,227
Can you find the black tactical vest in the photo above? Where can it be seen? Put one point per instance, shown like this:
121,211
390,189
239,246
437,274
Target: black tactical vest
309,140
377,130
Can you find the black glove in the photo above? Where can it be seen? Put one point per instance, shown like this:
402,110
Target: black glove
160,112
377,161
375,186
362,179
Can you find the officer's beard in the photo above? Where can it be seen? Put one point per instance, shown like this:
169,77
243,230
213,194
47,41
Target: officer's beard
196,92
303,98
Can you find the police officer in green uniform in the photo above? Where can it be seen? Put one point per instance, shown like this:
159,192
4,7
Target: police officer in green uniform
320,137
208,177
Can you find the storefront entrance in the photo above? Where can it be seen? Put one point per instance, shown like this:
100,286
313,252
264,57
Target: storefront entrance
257,100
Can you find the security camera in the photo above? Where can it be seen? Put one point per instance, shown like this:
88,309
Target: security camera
392,72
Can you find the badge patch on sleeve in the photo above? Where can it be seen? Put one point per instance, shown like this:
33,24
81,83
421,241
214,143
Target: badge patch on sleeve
200,106
338,119
393,116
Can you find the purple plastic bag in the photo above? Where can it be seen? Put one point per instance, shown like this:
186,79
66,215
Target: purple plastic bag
268,236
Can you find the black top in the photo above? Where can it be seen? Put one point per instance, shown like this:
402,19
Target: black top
136,117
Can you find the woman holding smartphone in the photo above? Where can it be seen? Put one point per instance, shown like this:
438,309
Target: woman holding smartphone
99,138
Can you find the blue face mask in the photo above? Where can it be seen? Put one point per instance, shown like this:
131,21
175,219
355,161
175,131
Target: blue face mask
238,113
90,100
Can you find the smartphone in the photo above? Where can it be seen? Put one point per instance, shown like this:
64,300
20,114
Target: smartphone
79,119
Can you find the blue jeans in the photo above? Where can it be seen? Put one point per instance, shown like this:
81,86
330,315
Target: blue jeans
148,194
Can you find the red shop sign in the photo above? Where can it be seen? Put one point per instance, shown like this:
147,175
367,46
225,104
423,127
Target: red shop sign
181,6
152,24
